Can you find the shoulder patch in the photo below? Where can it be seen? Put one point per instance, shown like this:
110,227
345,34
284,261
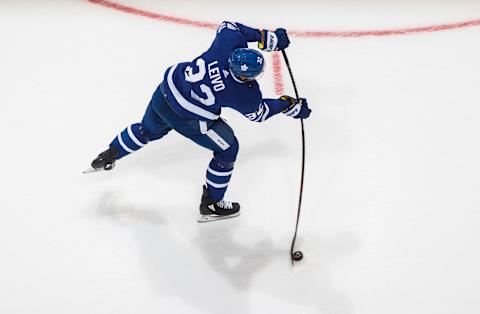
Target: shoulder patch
260,114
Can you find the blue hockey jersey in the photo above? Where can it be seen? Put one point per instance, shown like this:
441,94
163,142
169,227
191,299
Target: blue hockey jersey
200,88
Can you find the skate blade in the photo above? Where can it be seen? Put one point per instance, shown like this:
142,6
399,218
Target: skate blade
92,170
209,218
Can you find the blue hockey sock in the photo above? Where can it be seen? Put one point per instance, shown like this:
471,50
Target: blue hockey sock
218,177
130,140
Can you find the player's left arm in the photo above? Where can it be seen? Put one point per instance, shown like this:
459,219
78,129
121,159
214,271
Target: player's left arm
267,40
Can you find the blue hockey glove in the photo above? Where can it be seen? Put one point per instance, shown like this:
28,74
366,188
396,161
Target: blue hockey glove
277,40
297,109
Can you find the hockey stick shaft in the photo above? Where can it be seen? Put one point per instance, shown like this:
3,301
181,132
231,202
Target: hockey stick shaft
303,158
290,72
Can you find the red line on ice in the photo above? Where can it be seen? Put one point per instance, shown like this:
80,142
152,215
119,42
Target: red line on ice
152,15
308,34
277,67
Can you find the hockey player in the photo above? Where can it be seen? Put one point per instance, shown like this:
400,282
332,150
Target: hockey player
190,98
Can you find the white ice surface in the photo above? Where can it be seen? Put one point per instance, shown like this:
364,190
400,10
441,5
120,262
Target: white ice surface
391,211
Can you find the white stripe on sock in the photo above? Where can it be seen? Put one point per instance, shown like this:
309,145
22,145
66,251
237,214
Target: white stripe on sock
133,137
125,147
217,185
218,173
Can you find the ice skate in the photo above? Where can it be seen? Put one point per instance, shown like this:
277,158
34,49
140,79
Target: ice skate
104,161
211,211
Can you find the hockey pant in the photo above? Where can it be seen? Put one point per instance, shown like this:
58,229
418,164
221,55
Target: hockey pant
216,136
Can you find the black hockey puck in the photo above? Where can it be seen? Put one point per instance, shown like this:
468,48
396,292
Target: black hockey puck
297,256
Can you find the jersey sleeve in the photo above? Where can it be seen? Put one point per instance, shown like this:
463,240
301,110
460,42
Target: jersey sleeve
258,109
232,31
251,34
266,109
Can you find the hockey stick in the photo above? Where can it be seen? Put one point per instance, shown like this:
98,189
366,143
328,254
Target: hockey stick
298,255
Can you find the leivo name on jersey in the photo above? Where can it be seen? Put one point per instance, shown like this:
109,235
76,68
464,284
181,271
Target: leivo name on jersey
215,77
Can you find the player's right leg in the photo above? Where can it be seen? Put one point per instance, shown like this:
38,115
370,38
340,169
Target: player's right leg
218,137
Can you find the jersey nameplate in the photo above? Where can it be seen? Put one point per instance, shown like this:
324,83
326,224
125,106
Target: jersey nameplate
215,76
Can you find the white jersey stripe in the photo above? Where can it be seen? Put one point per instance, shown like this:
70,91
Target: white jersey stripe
185,103
267,111
133,137
218,173
217,185
203,127
125,147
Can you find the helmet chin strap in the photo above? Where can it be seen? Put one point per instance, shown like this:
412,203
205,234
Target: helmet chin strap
239,80
260,75
236,78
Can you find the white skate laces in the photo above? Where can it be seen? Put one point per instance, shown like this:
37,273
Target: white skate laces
225,204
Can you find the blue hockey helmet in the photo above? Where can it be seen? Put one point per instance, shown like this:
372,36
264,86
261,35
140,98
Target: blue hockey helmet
246,64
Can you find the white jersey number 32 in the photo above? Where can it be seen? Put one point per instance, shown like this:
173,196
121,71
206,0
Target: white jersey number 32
192,77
